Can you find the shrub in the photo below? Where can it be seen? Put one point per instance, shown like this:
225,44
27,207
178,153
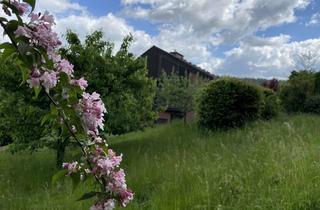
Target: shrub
271,106
228,102
297,90
312,104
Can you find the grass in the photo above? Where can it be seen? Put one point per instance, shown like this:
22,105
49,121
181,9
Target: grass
266,165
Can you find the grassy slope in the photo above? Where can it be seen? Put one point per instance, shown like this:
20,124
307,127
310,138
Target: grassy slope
267,165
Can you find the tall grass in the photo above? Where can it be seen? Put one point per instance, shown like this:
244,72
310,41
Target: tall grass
266,165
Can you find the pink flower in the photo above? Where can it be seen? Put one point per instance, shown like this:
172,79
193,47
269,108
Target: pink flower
105,166
82,83
23,31
64,66
21,7
93,110
108,205
34,80
118,183
71,167
49,80
126,196
55,57
40,32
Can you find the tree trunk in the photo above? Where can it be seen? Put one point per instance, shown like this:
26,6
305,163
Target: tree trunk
61,148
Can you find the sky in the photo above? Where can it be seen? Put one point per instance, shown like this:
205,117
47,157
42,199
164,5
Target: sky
243,38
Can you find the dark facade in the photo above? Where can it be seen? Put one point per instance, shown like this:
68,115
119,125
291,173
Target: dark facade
159,60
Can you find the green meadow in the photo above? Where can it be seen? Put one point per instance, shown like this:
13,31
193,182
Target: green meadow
265,165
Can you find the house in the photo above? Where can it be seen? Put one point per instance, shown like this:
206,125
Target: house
159,60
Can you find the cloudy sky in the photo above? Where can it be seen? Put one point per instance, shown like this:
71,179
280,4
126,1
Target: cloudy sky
247,38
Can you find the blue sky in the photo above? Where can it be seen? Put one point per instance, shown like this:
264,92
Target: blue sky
247,38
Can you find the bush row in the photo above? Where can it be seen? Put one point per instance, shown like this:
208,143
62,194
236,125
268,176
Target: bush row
230,102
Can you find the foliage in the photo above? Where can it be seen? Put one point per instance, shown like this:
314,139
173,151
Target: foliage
22,127
300,88
75,113
271,105
312,104
229,102
178,92
120,77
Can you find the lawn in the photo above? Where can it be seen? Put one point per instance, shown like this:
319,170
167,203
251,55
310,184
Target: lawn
265,165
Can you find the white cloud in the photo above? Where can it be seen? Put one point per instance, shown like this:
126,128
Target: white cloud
59,6
197,28
233,19
267,57
314,20
114,28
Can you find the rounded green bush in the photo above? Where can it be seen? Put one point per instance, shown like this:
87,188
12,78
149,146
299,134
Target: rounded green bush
271,105
227,103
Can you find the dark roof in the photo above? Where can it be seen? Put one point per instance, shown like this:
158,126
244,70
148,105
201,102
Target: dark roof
181,60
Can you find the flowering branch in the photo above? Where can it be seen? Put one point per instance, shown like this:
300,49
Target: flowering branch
34,45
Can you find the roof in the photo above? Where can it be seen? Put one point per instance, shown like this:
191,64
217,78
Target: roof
181,60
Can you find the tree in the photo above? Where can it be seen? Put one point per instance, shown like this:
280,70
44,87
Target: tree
121,78
77,114
307,61
177,92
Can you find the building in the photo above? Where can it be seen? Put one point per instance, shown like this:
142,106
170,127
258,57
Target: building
159,60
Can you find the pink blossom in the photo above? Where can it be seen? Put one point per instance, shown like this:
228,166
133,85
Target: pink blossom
23,31
126,196
71,167
82,83
55,57
64,66
118,182
49,80
20,6
105,166
34,80
40,32
93,110
98,140
108,205
47,18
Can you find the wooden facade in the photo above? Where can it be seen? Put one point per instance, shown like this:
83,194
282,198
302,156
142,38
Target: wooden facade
159,60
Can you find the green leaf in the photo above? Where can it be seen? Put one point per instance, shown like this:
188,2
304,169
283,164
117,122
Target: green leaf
6,45
2,19
24,74
32,3
12,26
9,50
88,195
57,176
37,90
